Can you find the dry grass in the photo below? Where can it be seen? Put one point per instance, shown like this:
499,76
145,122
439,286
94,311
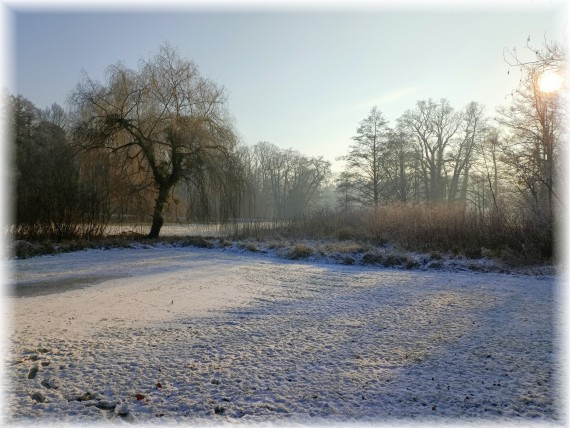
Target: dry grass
348,247
434,228
437,229
300,251
249,246
425,227
453,228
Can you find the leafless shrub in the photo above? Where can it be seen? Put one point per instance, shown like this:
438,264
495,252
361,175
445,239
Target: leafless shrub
372,259
300,251
346,247
437,229
249,246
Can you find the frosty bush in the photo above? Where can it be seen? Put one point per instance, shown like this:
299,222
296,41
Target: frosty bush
300,251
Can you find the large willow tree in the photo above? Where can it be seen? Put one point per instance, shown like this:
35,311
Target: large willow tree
164,118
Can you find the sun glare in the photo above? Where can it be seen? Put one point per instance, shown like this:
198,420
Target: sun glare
550,81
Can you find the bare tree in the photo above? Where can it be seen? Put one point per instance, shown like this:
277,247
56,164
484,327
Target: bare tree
536,114
364,159
306,179
345,185
433,126
164,117
489,155
551,56
283,182
55,114
534,122
462,151
397,166
445,142
534,128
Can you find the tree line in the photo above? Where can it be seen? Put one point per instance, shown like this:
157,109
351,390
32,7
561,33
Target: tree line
158,142
506,168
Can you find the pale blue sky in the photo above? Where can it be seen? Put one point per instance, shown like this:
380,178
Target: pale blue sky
302,80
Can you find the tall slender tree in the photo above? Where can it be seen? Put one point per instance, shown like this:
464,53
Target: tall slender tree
364,158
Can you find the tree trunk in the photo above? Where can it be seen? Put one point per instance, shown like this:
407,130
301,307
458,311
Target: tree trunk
157,218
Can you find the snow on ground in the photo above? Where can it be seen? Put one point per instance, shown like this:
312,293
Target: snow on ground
200,336
168,229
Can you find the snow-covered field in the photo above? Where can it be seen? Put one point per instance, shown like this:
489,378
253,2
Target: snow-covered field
201,336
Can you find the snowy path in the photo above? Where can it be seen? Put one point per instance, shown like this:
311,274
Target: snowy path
201,336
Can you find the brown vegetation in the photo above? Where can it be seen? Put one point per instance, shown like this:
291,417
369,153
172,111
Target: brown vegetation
441,180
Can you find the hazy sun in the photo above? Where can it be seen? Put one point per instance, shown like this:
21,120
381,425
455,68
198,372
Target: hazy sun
550,81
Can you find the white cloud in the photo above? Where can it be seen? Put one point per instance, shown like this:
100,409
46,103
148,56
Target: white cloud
385,102
398,94
387,98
